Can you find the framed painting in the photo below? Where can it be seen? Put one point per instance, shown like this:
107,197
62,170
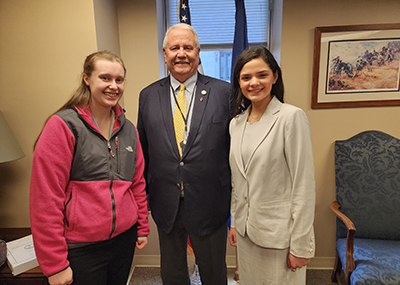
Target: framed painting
356,66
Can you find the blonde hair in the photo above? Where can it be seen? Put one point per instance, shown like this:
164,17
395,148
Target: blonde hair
81,96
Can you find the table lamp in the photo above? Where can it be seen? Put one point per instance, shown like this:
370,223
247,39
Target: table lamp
9,147
9,150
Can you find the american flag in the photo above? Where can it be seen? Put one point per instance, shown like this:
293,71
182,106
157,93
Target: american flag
184,12
184,17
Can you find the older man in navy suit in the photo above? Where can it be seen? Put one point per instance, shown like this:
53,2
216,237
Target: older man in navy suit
183,127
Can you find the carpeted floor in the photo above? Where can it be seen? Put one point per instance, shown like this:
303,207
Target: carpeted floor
151,276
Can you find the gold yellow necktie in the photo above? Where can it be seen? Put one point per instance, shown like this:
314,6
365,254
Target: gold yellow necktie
180,117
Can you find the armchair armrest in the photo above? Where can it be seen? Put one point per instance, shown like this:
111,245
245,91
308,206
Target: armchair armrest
351,230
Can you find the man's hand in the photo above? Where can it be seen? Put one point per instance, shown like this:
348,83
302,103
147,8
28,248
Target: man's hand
232,236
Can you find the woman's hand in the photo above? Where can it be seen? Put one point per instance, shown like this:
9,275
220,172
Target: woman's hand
232,236
141,242
61,278
294,262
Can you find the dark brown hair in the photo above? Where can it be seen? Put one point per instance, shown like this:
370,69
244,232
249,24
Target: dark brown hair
240,102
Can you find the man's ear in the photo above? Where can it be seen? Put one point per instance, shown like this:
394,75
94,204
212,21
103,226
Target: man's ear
165,55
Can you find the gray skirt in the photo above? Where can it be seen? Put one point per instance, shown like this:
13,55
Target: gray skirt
265,266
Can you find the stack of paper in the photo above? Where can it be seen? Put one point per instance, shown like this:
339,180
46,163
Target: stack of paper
21,255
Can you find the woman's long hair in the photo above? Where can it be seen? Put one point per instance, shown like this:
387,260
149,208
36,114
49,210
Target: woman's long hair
240,102
81,96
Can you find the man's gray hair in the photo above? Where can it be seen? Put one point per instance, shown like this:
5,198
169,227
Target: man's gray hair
181,26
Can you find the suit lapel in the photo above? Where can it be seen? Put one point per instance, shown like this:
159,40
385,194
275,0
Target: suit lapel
237,136
166,111
199,106
264,127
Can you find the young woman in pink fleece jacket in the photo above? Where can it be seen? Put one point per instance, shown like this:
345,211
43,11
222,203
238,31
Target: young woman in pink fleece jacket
88,203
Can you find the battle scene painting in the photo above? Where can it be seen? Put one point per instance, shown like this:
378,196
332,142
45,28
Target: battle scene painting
371,65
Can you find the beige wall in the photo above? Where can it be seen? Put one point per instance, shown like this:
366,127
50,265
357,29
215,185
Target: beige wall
138,42
106,17
299,20
43,45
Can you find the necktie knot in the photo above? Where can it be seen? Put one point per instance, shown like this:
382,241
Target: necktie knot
182,87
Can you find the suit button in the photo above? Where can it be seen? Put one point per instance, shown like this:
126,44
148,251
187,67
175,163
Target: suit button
182,163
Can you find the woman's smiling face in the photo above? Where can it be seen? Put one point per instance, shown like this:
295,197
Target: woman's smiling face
106,83
256,79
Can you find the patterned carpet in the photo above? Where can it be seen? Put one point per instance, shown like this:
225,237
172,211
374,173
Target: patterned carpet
151,276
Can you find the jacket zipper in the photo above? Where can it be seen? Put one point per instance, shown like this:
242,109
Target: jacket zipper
117,151
113,210
111,188
111,176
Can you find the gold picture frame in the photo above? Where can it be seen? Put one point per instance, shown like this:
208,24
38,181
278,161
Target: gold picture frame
356,66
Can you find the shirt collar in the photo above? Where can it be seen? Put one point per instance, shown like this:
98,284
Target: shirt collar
189,83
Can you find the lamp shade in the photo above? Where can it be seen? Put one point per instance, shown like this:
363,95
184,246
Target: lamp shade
9,146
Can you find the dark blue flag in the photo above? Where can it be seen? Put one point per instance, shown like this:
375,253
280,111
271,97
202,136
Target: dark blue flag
184,12
240,41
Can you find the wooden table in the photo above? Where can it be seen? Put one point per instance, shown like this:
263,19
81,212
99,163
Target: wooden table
31,277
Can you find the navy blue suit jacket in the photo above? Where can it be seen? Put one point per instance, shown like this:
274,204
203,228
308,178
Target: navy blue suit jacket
204,166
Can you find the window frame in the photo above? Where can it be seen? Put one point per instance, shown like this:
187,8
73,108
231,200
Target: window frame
163,18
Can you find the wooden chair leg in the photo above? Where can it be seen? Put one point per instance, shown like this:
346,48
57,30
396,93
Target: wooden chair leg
337,269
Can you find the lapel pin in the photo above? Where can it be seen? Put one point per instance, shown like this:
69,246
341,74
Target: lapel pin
201,99
203,92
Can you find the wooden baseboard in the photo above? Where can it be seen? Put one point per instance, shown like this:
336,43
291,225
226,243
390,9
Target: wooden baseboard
316,263
321,263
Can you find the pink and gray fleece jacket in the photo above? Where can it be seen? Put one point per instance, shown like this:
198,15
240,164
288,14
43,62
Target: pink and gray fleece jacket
83,187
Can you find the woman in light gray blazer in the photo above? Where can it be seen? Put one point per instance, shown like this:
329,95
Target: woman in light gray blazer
273,195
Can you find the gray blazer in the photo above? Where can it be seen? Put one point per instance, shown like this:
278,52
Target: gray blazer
273,196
